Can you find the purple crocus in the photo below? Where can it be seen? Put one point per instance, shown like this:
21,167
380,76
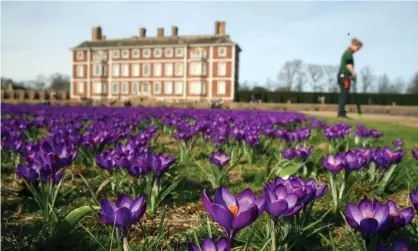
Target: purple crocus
354,160
219,159
288,153
105,161
414,198
335,163
124,213
233,213
400,245
386,157
280,201
303,153
368,217
415,153
399,218
397,143
319,191
209,245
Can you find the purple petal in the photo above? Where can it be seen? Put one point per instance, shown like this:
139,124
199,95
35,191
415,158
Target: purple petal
123,201
123,217
208,245
245,199
408,214
138,208
354,213
245,218
223,216
207,202
369,226
291,200
224,197
222,245
192,247
400,245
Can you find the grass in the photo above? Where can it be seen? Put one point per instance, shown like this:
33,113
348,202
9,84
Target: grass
23,230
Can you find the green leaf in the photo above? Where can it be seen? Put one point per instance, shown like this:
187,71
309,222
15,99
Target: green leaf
69,222
289,170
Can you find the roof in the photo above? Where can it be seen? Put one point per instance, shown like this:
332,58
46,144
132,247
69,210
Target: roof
169,40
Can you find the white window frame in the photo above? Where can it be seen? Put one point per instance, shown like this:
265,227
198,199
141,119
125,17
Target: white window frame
168,69
115,54
124,70
177,90
158,55
80,87
116,70
125,53
222,51
135,88
197,52
80,55
144,73
155,68
99,70
179,52
147,84
135,51
80,71
169,52
221,70
125,87
198,69
146,53
136,69
197,85
99,88
168,87
113,87
155,84
178,66
219,90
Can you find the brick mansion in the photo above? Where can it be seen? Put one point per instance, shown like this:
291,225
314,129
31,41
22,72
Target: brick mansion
166,67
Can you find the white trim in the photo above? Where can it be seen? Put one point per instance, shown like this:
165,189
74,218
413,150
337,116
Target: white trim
143,70
166,54
124,67
149,53
80,83
185,52
154,46
72,78
123,52
113,73
175,69
142,88
233,73
154,84
219,68
223,89
133,84
135,73
137,56
124,84
219,51
175,87
113,84
168,69
167,84
82,55
210,72
170,60
113,50
101,85
161,53
215,60
155,68
109,84
154,79
88,73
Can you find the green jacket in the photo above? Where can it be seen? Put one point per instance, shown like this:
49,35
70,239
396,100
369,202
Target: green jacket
346,59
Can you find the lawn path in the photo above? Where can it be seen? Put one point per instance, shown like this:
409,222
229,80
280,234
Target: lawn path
399,120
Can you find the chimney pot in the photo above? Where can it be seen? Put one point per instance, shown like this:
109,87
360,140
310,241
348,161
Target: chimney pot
174,31
96,33
142,32
160,32
222,28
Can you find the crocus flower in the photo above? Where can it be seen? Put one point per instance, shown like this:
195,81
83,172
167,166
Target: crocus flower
319,190
219,159
400,245
209,245
303,153
367,154
288,153
335,163
397,143
233,213
124,213
414,198
399,218
415,153
354,160
27,172
368,217
386,157
105,161
280,202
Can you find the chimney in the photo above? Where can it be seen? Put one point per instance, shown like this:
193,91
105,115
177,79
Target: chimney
160,32
96,33
142,32
222,28
217,28
103,37
174,31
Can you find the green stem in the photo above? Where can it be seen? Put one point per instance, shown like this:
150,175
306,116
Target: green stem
273,234
334,191
125,244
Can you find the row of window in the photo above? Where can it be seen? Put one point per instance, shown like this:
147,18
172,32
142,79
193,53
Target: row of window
169,88
146,53
196,69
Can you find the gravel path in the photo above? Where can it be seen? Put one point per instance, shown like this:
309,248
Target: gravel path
403,120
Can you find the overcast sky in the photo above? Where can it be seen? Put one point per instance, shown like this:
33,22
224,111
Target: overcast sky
36,36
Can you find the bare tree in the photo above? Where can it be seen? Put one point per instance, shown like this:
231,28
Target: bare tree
383,84
398,86
59,82
270,84
244,86
316,73
331,72
301,79
39,83
289,71
367,78
413,86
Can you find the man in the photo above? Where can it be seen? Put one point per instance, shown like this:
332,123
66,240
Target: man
346,74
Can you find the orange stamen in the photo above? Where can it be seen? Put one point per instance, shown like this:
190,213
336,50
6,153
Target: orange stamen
368,217
234,210
394,214
404,249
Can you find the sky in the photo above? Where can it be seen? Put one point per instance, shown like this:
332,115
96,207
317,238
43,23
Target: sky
36,37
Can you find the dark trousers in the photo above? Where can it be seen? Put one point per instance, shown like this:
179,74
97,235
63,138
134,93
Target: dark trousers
344,84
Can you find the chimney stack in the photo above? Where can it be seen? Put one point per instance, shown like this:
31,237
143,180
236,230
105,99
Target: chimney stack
217,28
96,33
160,32
142,32
174,31
103,37
222,28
